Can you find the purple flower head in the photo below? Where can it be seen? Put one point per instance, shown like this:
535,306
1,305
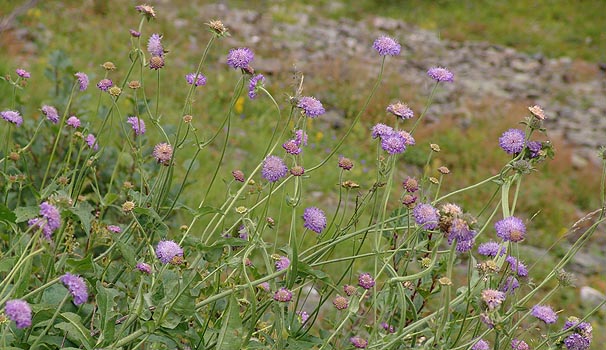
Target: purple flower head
582,327
491,249
544,313
199,79
349,289
345,163
440,74
76,286
73,121
381,130
50,219
264,286
273,168
240,57
517,344
163,152
386,46
314,219
517,266
137,124
493,298
511,229
485,318
534,147
238,175
393,143
311,106
91,141
51,113
465,246
167,250
283,295
400,110
282,263
134,33
358,342
576,341
12,117
19,311
243,232
366,281
301,138
510,285
255,82
23,73
154,45
82,80
114,228
387,327
512,141
105,84
426,216
480,345
143,267
408,139
291,147
303,316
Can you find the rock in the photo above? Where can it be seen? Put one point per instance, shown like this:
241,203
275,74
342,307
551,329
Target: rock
591,297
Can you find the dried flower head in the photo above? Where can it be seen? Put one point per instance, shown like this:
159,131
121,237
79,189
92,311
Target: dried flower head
434,147
386,46
218,28
409,200
163,152
340,303
410,184
537,112
187,118
291,147
345,163
109,66
349,290
238,175
297,170
156,62
443,170
115,91
134,84
146,10
366,281
128,206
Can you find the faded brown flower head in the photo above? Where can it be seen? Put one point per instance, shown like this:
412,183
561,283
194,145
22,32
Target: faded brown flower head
109,66
14,156
128,206
127,185
134,84
409,200
435,147
218,28
146,10
411,184
297,170
114,91
445,281
345,163
238,175
349,289
537,112
156,62
443,170
433,180
341,303
187,119
349,184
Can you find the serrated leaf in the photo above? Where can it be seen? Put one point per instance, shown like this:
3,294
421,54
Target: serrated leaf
84,213
76,331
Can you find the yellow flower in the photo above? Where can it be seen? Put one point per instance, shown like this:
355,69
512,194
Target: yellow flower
239,107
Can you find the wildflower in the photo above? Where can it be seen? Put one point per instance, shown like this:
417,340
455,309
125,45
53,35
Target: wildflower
291,147
297,170
341,303
82,80
198,79
349,290
115,91
459,230
380,130
358,342
114,228
493,298
273,168
137,124
146,10
485,318
105,84
134,84
409,200
576,341
443,170
445,281
282,263
187,118
156,62
283,295
167,250
311,106
408,139
143,267
366,281
301,138
426,216
510,285
314,219
128,206
23,73
544,313
303,316
50,219
434,147
386,46
134,33
91,141
345,163
393,143
240,57
534,147
217,27
564,278
574,323
19,311
163,152
410,184
516,266
387,327
480,345
253,85
400,110
108,66
76,286
517,344
238,175
264,286
12,117
512,141
537,112
154,45
440,74
510,229
491,249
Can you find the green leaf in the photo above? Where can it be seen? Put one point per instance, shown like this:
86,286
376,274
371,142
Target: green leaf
75,330
83,265
307,270
6,264
105,301
127,253
83,212
26,213
6,215
230,337
207,210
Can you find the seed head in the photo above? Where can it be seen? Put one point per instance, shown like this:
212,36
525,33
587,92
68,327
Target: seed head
109,66
341,303
128,206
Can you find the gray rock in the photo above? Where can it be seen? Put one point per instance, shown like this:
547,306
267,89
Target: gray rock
591,297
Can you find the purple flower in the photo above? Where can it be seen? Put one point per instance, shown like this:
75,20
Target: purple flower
440,74
137,124
381,130
493,298
134,33
400,110
51,113
512,141
76,286
366,281
516,266
517,344
154,45
240,57
273,168
50,219
544,313
167,250
301,138
340,303
576,341
408,139
91,141
387,327
345,163
393,143
143,267
386,46
82,80
253,85
575,324
114,228
534,147
19,311
291,147
303,316
23,73
358,342
105,84
163,152
12,117
511,229
314,219
426,216
283,295
491,249
481,344
264,286
73,121
311,106
510,285
282,263
199,79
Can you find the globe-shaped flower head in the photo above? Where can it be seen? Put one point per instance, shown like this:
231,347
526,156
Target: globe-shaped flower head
76,286
167,250
544,313
440,74
311,106
480,345
273,168
19,311
426,216
154,45
400,110
366,281
386,46
283,295
393,143
163,152
511,229
512,141
197,80
12,117
82,80
137,124
240,57
314,219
